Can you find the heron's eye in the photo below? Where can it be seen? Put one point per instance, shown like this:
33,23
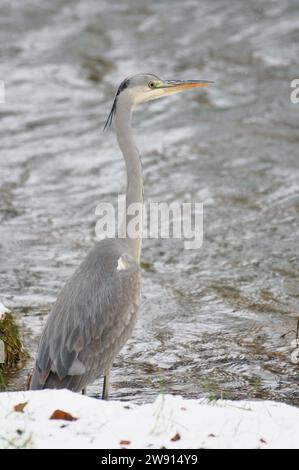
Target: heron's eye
151,85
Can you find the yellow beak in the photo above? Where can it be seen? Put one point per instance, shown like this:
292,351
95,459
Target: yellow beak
175,86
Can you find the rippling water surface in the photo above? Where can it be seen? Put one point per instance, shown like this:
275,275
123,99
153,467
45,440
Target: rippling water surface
211,320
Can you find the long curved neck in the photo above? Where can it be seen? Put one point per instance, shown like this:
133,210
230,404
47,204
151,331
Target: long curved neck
134,192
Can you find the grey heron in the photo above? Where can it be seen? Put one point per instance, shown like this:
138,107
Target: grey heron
95,312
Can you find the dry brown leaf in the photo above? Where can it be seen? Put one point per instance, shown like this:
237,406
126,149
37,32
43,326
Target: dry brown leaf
60,414
123,442
176,437
19,408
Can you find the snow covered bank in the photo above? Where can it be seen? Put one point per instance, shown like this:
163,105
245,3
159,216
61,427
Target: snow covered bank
3,310
171,422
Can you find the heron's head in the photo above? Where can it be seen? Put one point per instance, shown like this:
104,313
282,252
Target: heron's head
146,87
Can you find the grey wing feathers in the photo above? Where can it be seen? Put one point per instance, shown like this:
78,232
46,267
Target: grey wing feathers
91,319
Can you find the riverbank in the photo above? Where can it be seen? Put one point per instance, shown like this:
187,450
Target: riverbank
62,419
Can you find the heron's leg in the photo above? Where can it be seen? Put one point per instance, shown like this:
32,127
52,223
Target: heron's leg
83,391
105,393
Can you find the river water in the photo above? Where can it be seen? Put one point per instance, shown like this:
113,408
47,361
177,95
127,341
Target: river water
216,321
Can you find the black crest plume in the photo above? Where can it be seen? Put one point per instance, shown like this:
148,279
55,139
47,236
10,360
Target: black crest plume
121,87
